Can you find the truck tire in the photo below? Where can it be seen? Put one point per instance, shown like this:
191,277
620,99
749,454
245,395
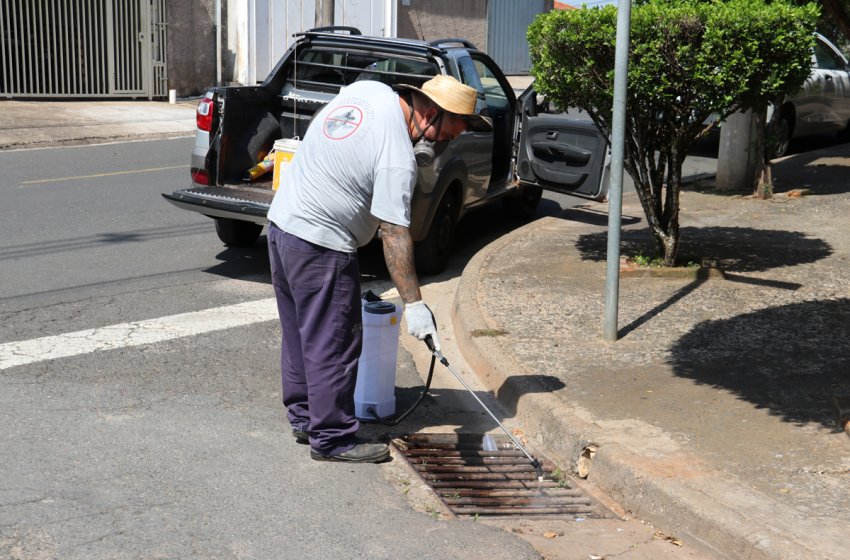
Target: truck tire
432,253
236,233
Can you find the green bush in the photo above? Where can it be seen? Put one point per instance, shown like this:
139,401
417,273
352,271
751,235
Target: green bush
687,60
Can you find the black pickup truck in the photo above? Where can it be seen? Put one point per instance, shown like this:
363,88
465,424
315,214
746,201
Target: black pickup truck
530,148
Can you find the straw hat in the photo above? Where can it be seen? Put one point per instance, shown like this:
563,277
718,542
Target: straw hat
455,98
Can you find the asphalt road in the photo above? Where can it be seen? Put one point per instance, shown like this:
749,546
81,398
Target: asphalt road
133,425
140,412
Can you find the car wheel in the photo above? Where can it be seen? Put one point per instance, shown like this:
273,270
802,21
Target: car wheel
523,205
237,233
432,253
783,137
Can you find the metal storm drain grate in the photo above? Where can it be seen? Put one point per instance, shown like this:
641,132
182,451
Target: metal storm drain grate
472,481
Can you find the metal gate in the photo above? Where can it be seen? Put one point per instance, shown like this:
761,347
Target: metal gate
85,48
507,25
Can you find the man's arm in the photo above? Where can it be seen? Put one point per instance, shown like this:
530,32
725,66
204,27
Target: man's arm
398,254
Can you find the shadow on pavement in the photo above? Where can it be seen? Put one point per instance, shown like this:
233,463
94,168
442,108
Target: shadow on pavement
244,263
517,386
67,245
810,169
732,249
438,407
821,173
594,217
791,360
708,145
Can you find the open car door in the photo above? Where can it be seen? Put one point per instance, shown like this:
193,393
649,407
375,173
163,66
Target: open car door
560,153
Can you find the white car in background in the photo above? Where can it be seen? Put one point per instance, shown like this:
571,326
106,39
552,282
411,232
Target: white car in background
822,106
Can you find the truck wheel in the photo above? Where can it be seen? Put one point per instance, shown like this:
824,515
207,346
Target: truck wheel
236,233
432,253
523,205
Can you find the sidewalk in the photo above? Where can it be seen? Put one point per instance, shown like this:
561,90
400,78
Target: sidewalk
44,124
714,414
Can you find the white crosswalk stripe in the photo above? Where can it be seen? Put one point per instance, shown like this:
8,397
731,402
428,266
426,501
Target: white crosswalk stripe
137,333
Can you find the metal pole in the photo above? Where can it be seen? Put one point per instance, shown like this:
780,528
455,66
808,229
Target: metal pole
615,189
218,42
324,13
389,8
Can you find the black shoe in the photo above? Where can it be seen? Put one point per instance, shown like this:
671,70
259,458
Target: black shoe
301,436
360,453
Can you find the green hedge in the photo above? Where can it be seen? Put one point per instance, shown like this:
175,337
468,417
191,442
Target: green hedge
686,58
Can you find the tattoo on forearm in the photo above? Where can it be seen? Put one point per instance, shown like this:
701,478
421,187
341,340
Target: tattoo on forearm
398,254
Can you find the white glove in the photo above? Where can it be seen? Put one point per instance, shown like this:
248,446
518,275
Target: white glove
420,322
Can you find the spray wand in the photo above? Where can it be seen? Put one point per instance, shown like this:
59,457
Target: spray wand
442,359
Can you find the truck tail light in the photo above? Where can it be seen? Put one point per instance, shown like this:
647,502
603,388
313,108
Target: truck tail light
204,115
200,176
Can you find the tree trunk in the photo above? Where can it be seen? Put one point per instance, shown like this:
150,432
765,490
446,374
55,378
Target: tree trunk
673,188
762,182
660,201
668,245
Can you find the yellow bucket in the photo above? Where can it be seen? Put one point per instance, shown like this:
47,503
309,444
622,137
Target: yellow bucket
284,150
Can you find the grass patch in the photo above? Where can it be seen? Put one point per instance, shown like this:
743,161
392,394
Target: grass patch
489,332
645,261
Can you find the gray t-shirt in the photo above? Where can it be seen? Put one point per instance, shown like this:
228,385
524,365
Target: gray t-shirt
354,169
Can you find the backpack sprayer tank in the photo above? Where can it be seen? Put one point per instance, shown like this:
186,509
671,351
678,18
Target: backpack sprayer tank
374,393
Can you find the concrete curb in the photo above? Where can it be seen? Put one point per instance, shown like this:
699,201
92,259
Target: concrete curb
95,139
705,507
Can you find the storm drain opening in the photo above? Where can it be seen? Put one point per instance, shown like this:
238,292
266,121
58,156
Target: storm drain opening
473,481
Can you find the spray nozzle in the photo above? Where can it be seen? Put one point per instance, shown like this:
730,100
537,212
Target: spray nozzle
429,341
538,468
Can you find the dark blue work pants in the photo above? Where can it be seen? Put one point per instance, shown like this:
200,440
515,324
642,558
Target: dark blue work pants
318,299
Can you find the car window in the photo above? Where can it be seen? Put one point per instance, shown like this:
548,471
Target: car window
476,73
469,76
826,58
328,70
497,99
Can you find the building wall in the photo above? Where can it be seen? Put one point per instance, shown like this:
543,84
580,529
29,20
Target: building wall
440,19
192,38
191,45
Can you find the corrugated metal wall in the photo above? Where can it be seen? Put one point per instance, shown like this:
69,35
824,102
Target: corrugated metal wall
507,25
86,48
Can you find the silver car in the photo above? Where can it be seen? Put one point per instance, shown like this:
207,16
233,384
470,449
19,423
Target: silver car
822,106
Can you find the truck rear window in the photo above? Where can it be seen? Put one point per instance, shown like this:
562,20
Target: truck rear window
328,70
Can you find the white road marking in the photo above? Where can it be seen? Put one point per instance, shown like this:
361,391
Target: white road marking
125,335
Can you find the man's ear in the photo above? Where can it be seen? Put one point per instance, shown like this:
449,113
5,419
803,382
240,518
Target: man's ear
431,115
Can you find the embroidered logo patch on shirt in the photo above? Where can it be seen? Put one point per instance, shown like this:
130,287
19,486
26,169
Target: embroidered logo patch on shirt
342,122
